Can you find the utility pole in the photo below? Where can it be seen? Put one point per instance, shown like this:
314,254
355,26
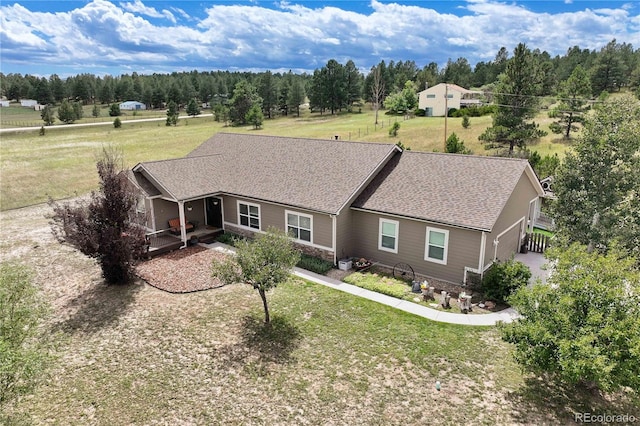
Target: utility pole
446,113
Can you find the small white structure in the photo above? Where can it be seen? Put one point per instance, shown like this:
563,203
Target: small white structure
4,103
132,106
28,103
435,99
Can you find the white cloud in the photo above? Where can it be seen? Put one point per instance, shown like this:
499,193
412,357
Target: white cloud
249,36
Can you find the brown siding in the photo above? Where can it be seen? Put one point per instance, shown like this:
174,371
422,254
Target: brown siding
516,208
274,215
164,210
463,251
344,235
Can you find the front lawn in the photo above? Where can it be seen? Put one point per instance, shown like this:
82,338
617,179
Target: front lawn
136,355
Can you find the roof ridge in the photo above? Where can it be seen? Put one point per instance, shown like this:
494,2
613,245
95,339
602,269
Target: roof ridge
306,138
457,155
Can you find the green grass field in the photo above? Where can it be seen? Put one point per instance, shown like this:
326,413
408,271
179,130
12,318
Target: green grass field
61,163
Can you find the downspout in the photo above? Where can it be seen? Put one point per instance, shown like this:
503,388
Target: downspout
483,245
333,238
183,228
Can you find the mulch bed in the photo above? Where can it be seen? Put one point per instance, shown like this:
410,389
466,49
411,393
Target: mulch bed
181,271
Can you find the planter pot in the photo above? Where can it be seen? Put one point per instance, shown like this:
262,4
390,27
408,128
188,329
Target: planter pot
345,265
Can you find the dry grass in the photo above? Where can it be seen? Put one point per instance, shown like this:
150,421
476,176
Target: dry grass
138,355
61,164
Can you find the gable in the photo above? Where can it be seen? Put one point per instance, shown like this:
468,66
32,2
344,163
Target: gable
313,174
451,189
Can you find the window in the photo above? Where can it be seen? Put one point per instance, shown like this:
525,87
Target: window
249,215
299,226
388,237
431,96
436,245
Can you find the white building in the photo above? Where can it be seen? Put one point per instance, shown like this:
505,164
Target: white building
435,99
132,106
28,103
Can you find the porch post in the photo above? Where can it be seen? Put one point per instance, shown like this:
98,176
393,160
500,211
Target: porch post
183,228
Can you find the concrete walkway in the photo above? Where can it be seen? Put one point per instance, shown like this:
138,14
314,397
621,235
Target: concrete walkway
507,315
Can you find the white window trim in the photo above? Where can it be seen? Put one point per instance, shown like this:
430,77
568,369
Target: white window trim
446,245
397,225
286,225
259,215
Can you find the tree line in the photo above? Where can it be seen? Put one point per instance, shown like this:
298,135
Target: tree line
333,87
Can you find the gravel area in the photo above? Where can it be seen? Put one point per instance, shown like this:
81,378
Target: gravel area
181,271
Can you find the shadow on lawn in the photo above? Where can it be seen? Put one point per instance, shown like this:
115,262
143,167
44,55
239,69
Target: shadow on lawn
262,344
540,400
97,307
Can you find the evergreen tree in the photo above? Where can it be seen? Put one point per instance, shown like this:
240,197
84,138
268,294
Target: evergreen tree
572,103
296,96
268,90
244,97
66,112
608,73
95,112
114,110
192,108
47,115
255,117
172,114
516,97
598,185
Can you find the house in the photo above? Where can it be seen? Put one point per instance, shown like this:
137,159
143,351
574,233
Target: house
28,103
132,106
4,103
446,215
434,100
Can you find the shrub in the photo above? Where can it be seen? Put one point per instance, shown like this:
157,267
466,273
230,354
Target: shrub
504,278
230,238
314,264
117,123
378,283
393,130
465,121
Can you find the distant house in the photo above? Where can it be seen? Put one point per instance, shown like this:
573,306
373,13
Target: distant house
132,106
4,103
28,103
446,215
435,99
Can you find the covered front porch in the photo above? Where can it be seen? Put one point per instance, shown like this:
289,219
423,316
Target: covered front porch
177,224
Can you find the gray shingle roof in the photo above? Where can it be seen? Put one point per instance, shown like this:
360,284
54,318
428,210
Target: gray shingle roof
461,190
313,174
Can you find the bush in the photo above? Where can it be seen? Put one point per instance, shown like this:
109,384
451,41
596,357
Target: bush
117,123
393,130
314,264
379,284
504,278
230,238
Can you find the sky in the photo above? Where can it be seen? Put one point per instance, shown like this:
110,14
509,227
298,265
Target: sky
121,37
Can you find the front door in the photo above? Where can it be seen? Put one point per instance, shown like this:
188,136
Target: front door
214,212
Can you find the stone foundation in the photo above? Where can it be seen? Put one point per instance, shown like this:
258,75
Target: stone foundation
309,250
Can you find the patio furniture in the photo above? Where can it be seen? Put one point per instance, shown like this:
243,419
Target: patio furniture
174,226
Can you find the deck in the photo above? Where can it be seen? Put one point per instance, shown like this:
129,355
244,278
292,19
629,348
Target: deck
163,241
